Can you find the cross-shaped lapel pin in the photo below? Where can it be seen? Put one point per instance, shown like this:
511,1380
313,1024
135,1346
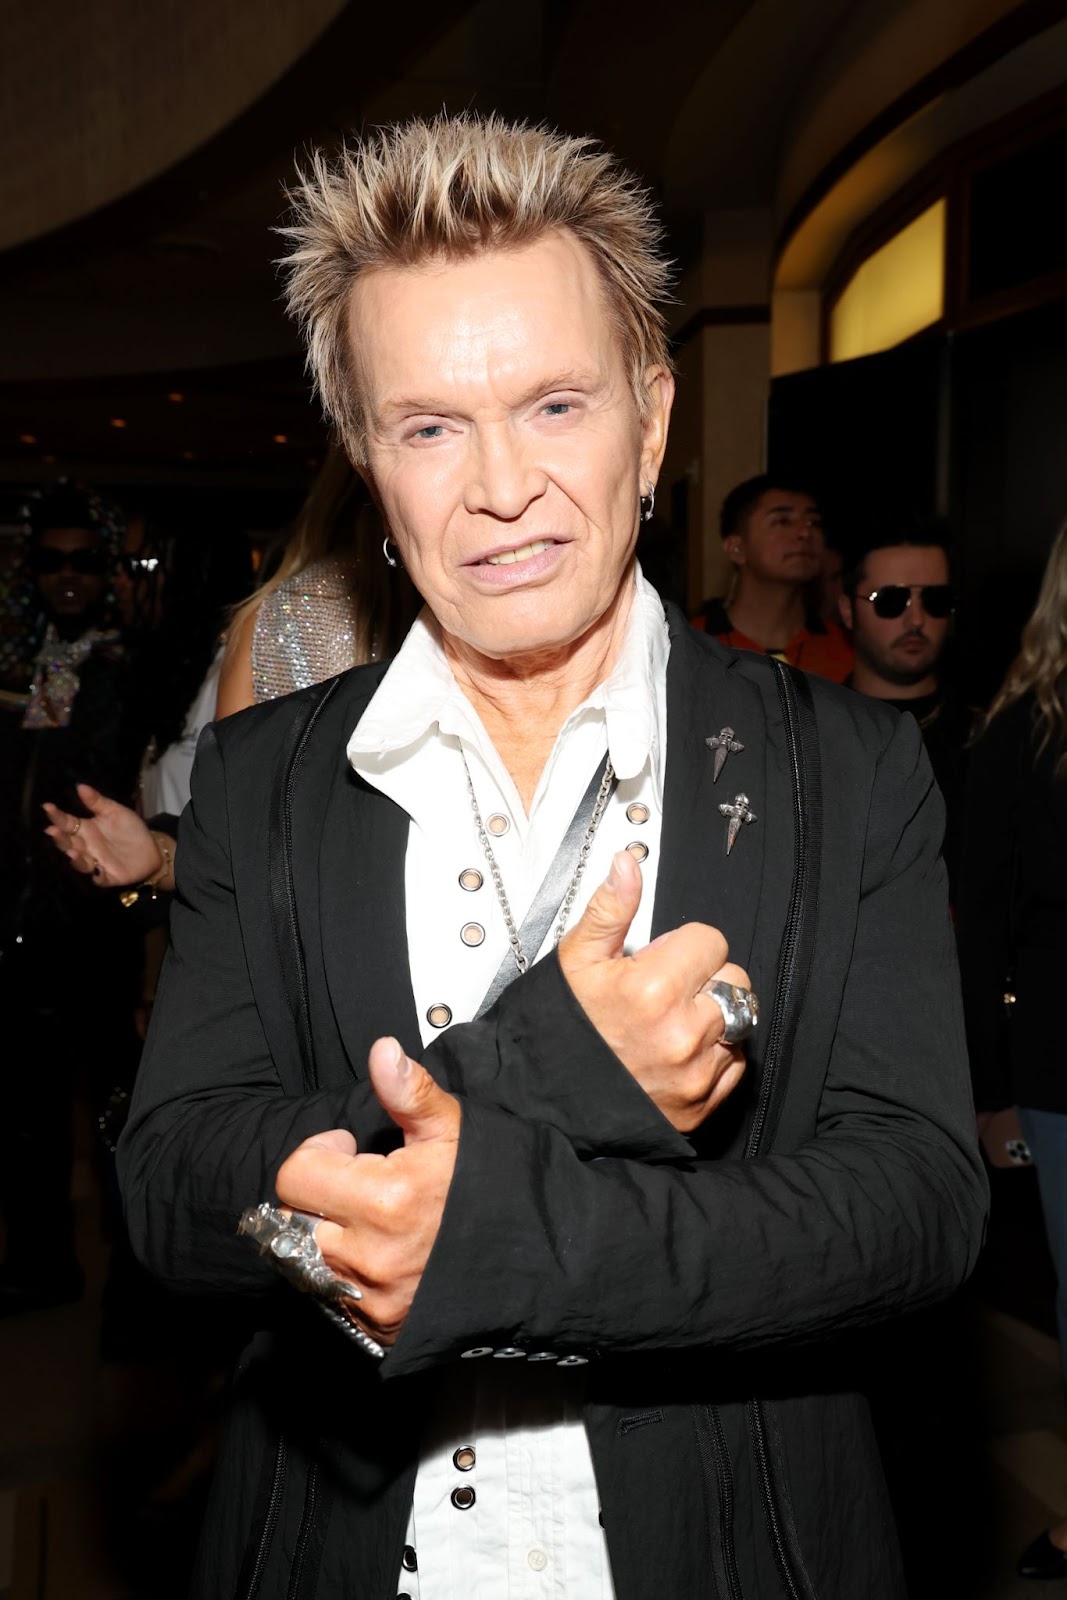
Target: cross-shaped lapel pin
737,813
724,744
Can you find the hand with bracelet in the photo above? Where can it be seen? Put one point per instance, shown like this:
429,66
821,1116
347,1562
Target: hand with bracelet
113,845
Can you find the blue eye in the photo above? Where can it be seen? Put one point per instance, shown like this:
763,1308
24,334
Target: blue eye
431,431
558,408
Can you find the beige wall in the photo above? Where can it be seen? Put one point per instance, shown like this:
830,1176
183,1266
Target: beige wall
109,93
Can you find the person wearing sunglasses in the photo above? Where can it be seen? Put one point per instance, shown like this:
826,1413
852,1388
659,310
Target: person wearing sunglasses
897,606
66,961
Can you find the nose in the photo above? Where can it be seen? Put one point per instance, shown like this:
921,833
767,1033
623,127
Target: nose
503,480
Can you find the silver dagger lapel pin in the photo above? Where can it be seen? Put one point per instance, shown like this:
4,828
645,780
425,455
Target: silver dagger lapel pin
724,744
737,813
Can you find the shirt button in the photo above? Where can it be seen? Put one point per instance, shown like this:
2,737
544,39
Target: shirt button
573,1361
543,1355
464,1458
636,813
538,1560
479,1350
439,1016
470,879
497,824
463,1498
509,1352
472,933
409,1561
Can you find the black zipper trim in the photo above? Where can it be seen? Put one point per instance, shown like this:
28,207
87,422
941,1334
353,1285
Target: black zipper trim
307,1522
794,968
269,1521
724,1477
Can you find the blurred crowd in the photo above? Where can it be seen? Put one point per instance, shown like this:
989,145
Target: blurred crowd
118,647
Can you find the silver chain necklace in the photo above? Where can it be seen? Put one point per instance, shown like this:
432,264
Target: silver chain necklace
599,804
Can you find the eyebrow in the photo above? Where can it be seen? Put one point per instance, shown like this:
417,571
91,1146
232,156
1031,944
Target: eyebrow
809,511
425,406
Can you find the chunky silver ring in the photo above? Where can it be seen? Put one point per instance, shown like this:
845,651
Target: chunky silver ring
288,1238
739,1007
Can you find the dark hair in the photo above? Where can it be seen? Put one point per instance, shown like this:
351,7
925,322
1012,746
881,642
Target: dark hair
66,506
886,530
745,497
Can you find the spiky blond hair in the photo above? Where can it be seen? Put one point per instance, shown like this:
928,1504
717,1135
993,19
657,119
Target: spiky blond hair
449,189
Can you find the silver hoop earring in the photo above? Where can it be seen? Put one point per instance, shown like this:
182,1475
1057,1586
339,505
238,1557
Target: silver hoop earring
646,516
393,562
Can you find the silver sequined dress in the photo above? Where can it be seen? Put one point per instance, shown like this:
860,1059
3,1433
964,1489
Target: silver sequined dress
305,630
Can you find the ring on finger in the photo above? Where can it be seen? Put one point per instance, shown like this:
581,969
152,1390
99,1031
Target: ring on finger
739,1007
73,834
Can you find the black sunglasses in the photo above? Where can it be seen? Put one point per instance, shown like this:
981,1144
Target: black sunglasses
893,599
46,561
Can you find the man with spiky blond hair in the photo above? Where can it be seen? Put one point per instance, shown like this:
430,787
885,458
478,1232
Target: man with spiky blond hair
460,1026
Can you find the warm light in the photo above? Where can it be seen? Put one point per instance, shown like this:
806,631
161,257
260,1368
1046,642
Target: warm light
187,455
897,291
27,438
118,422
48,458
281,438
175,398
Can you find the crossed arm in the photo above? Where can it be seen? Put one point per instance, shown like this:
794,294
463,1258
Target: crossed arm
529,1238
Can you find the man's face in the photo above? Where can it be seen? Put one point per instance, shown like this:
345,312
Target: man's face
903,649
70,569
504,441
782,541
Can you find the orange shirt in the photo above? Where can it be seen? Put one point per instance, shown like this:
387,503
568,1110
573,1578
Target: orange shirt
822,648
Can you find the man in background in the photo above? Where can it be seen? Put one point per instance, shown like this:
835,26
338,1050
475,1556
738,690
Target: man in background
898,605
773,536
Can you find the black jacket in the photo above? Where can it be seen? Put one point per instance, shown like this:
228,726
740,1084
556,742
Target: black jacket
696,1280
1013,914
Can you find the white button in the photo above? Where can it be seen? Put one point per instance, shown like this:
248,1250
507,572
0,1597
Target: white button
479,1350
538,1560
573,1361
509,1352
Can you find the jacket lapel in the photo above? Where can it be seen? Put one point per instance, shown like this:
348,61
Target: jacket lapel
362,916
697,880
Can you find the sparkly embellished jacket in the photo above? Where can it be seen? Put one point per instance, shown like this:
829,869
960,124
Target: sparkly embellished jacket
715,1297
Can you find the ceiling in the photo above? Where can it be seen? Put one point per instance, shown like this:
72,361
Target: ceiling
168,286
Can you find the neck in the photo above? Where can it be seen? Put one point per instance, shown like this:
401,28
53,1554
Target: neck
868,680
523,701
768,613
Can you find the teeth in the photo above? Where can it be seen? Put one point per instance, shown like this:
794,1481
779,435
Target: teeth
523,553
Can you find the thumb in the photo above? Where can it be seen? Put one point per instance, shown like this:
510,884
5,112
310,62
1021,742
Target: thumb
92,799
601,930
338,1139
418,1106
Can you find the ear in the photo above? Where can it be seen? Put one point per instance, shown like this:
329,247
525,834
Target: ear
659,398
735,549
844,608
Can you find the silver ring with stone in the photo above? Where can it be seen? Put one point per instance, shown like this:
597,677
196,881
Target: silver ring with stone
288,1238
739,1007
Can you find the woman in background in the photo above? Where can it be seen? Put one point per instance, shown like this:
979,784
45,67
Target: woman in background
334,602
1013,928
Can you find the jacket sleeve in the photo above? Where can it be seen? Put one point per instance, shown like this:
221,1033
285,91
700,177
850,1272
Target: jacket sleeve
881,1210
211,1123
985,942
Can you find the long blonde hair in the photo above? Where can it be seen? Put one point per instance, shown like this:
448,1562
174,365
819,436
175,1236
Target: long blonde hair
337,521
1040,668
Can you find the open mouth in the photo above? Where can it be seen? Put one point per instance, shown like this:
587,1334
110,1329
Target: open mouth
522,552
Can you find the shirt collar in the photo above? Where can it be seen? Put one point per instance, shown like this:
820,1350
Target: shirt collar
419,693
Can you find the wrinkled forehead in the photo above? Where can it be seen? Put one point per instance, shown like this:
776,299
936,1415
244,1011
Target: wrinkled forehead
451,322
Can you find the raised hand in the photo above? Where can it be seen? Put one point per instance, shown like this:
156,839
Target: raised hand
382,1213
113,844
649,1007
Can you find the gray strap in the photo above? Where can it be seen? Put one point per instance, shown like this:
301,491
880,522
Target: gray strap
549,897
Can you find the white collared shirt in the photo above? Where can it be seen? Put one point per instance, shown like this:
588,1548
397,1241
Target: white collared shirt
533,1530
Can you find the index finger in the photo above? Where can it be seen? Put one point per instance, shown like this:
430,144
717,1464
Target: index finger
685,958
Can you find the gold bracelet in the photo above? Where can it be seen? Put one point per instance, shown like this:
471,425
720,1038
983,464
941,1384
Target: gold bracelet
165,847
